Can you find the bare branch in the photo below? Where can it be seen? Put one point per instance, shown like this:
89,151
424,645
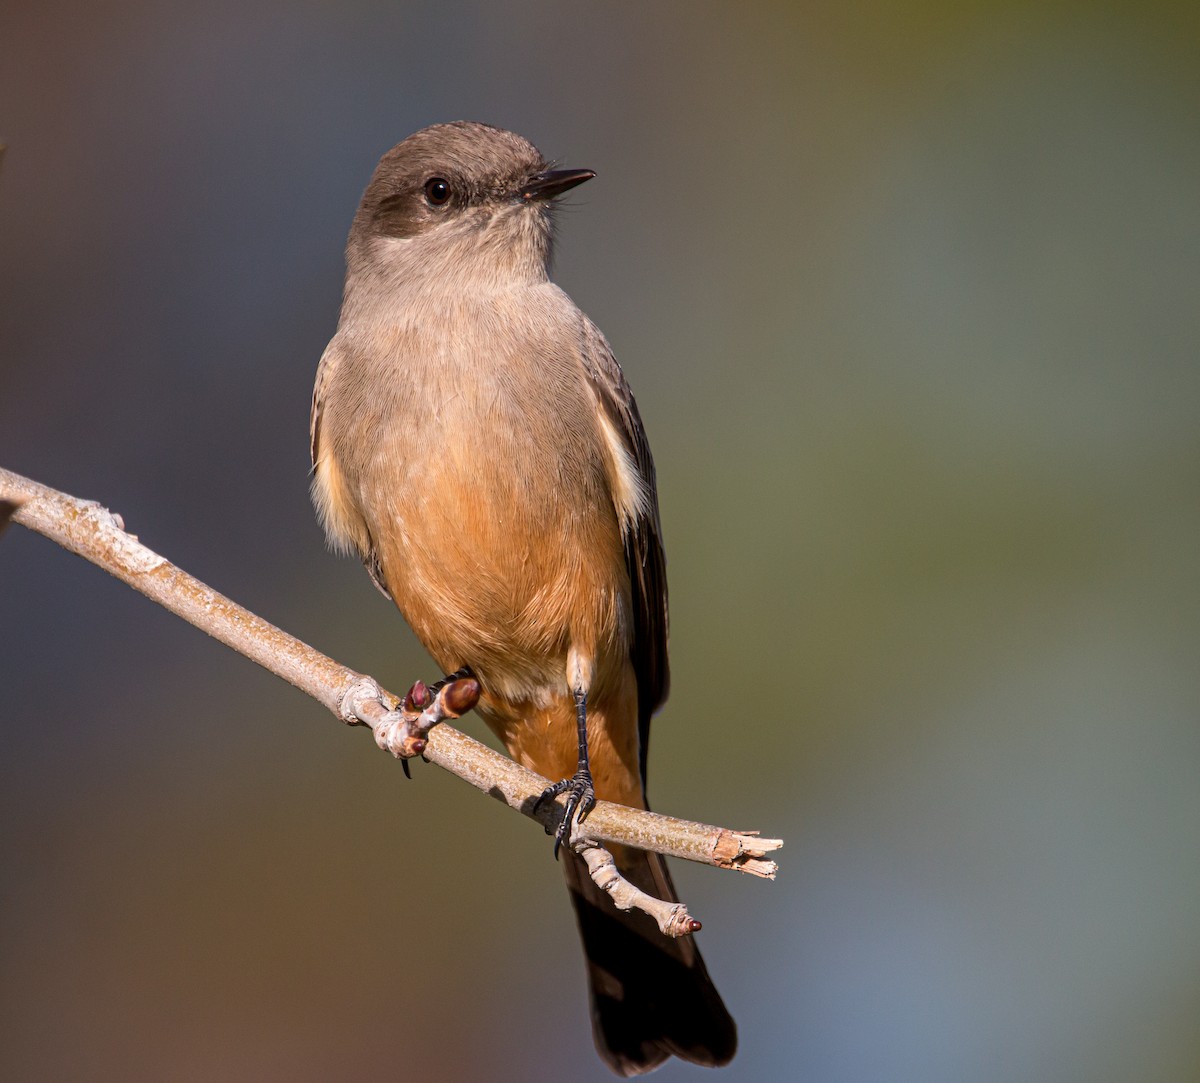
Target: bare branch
401,726
672,918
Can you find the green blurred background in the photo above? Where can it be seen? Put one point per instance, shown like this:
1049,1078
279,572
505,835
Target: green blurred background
910,298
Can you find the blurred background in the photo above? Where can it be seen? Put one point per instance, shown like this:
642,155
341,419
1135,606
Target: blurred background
910,299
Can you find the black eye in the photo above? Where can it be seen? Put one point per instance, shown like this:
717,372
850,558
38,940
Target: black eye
437,191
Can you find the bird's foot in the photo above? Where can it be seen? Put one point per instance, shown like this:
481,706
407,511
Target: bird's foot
581,799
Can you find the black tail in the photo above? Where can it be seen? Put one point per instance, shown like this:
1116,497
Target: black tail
651,995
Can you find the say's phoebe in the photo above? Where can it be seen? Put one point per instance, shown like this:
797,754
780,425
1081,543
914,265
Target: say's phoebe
474,441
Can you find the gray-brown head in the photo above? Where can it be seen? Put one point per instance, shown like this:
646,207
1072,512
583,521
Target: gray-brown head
458,203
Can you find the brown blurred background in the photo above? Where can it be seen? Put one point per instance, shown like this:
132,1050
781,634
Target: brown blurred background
910,298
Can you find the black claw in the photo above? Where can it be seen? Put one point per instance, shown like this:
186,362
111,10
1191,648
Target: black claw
581,799
407,772
549,793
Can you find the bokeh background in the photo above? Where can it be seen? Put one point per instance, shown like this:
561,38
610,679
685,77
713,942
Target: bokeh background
910,298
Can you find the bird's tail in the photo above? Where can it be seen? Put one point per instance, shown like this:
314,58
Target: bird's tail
651,995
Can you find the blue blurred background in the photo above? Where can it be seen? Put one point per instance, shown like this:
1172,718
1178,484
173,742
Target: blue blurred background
910,298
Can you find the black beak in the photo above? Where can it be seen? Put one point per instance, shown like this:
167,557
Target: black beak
554,183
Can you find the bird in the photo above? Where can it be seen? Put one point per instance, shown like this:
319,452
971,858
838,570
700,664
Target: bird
476,444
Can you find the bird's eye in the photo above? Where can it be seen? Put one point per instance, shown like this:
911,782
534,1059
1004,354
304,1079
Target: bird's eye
437,191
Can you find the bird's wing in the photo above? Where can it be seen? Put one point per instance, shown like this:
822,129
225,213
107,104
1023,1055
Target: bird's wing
325,371
343,524
641,528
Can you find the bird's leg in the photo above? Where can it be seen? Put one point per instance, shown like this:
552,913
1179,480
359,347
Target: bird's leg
581,794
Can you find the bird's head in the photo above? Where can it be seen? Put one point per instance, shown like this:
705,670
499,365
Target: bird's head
459,205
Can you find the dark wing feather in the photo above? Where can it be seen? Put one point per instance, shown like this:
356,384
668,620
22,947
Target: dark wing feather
643,538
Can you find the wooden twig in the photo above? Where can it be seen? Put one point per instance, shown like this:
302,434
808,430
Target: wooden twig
403,726
672,918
